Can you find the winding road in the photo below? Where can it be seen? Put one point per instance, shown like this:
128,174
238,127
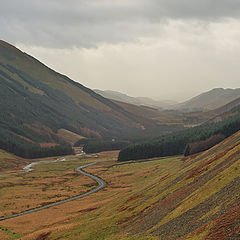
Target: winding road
101,184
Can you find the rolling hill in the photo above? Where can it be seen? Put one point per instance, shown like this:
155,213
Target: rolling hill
209,100
36,102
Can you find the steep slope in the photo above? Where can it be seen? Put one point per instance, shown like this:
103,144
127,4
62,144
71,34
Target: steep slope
210,100
199,199
36,102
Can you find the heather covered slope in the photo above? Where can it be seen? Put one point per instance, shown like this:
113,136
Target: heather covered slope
36,102
198,200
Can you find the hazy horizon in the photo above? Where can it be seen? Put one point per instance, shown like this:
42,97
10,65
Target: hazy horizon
166,50
160,99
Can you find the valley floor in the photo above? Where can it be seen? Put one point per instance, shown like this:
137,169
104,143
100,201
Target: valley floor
168,198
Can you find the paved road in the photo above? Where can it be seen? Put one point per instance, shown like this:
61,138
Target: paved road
101,184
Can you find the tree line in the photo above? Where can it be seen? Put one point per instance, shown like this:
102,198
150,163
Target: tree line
203,137
21,148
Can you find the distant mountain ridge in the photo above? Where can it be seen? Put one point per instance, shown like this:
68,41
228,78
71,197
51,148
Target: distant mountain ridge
139,101
210,100
206,101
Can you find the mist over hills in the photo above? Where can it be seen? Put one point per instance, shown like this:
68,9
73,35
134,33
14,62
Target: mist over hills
139,101
206,101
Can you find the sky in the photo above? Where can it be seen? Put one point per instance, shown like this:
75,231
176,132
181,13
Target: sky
164,49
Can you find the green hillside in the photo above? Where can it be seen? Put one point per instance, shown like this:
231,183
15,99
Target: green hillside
36,102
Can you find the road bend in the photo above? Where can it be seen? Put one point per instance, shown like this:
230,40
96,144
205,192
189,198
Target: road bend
101,184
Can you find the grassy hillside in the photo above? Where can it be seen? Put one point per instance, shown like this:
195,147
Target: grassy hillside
36,102
173,198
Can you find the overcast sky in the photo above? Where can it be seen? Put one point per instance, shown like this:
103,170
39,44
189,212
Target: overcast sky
166,49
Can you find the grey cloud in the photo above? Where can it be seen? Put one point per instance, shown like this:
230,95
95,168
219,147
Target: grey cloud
204,9
86,23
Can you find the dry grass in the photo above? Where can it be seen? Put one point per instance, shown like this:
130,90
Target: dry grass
23,191
11,162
